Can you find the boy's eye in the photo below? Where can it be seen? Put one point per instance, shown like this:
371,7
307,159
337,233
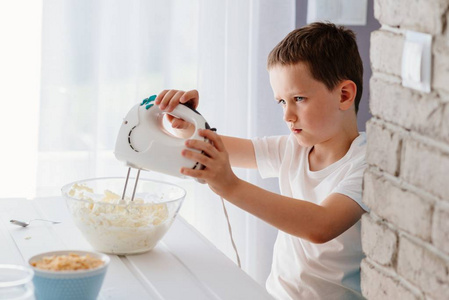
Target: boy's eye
299,99
282,101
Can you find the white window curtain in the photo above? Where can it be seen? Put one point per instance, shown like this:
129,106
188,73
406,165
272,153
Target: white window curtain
20,66
235,38
98,59
101,57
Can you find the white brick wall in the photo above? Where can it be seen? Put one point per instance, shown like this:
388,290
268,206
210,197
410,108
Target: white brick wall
384,147
379,283
407,108
379,242
426,167
418,15
390,201
385,54
406,234
424,268
440,229
440,72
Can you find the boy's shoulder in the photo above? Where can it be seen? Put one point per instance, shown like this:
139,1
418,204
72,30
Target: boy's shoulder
358,148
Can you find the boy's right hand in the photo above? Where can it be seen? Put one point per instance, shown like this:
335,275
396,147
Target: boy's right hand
167,100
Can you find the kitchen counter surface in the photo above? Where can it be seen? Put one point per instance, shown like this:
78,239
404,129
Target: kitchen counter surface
184,265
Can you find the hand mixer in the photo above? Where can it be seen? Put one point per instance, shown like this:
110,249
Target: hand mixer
144,144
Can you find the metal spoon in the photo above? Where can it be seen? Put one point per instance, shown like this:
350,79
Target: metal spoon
25,224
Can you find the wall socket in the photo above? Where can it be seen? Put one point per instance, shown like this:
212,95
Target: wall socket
417,61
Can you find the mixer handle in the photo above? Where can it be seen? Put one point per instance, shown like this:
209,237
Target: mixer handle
183,111
191,115
190,105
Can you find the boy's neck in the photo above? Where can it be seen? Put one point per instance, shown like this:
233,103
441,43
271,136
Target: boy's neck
329,152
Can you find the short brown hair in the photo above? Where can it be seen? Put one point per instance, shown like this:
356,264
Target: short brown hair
330,51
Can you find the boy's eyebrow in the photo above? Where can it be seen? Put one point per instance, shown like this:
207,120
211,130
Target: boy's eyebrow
291,95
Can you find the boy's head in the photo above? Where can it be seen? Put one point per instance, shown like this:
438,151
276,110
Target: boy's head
328,50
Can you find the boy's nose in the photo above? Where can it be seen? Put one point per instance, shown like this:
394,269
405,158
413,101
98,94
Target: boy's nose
289,113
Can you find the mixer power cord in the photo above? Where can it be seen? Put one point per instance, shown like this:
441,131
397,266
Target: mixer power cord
227,219
230,233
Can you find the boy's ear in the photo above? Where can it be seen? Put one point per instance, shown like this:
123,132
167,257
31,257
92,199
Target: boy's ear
348,91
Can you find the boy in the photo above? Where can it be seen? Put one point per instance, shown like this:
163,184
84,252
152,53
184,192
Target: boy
316,75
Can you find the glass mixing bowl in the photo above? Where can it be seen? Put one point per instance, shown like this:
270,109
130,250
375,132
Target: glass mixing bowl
116,226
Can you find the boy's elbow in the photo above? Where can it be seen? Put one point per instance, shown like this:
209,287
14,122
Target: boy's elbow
313,237
322,234
319,238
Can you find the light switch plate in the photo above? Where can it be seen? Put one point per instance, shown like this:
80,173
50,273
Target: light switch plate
416,61
342,12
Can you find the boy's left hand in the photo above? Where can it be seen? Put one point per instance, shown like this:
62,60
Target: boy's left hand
217,173
167,100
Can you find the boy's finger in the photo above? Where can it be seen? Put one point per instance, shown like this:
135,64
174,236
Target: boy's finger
196,157
179,123
205,147
174,101
170,118
192,97
214,138
166,99
160,97
192,173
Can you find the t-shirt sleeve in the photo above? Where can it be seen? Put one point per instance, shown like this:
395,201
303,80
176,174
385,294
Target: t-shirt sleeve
351,185
269,152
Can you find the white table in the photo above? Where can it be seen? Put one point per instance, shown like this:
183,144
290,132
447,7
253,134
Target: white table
184,265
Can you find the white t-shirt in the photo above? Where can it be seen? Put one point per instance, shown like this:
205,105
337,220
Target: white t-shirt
301,269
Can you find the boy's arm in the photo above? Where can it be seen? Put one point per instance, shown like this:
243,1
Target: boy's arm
241,152
316,223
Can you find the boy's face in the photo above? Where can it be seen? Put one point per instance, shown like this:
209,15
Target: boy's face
311,111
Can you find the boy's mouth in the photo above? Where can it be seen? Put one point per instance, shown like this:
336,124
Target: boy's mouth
294,130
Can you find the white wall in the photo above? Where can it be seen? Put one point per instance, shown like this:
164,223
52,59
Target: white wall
406,234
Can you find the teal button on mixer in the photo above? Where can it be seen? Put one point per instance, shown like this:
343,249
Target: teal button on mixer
148,100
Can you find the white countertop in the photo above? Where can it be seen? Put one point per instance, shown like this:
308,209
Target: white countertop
184,265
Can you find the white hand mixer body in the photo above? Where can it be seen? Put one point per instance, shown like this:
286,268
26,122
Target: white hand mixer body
143,142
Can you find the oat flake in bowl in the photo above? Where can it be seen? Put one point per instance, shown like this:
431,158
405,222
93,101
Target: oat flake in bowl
68,262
